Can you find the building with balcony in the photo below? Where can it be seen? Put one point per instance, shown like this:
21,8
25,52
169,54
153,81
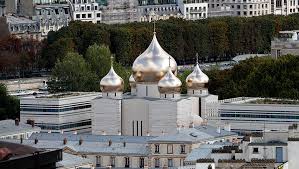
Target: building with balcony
287,42
193,9
86,10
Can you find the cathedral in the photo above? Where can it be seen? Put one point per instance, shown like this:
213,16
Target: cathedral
155,105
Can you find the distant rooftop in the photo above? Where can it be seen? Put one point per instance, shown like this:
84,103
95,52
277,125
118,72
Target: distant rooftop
258,100
62,95
19,20
8,127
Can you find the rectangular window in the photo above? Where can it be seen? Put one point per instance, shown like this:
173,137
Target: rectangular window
137,128
255,150
112,161
83,15
88,8
141,162
89,15
98,15
170,163
183,149
98,161
127,162
141,128
157,147
169,149
77,16
133,128
157,163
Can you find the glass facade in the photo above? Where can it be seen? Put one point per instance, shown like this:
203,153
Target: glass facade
55,109
49,126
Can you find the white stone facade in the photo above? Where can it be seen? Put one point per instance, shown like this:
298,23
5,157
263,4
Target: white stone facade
86,10
193,9
245,8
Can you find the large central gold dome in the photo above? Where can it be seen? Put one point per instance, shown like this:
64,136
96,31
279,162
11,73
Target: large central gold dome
153,64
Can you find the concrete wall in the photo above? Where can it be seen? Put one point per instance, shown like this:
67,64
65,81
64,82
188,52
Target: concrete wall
293,152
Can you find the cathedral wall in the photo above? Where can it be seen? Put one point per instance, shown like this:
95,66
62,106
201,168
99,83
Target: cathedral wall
148,90
195,105
162,117
184,111
135,110
106,116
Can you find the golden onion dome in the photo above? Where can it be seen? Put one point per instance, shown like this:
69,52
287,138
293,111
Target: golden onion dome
152,64
112,82
132,82
169,83
197,79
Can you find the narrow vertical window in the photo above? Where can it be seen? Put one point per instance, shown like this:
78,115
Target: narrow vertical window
146,91
140,128
137,127
133,127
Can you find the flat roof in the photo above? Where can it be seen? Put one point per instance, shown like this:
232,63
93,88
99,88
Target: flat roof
8,127
61,95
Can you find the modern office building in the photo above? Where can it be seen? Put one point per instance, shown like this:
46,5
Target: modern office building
286,43
258,114
86,10
193,9
67,112
155,105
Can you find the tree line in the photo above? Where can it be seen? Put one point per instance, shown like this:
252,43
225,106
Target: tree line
213,39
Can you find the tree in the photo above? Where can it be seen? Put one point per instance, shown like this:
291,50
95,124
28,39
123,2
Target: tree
9,105
99,59
72,73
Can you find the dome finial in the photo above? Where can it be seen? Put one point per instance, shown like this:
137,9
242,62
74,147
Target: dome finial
169,61
111,60
196,58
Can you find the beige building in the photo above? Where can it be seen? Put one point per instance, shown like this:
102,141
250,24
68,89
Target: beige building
132,151
286,43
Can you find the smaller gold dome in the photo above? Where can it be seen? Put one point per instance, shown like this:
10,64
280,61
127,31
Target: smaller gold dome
112,82
132,82
169,83
197,79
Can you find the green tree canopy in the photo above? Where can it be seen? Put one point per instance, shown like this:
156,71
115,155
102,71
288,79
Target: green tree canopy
9,105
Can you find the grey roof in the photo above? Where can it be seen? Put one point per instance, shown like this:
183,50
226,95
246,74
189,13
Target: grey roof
69,160
8,127
91,138
204,151
90,147
196,134
271,143
19,20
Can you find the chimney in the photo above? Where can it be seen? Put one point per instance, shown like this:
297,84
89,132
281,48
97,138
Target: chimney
148,133
110,143
218,130
124,144
227,127
64,141
32,123
119,133
80,141
17,121
35,141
